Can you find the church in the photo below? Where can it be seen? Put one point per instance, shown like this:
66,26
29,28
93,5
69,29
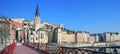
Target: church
37,31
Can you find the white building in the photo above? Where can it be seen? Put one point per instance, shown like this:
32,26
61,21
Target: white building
111,36
87,37
107,36
42,36
31,34
115,37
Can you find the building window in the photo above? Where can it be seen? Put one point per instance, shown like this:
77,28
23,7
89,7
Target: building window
37,21
25,24
36,38
41,36
31,38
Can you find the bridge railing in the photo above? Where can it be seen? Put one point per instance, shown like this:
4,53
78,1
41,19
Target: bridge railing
57,49
8,49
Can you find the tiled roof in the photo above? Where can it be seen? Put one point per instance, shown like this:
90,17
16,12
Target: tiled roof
32,29
17,24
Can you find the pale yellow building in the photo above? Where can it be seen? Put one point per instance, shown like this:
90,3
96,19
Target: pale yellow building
79,37
92,39
67,38
63,37
83,37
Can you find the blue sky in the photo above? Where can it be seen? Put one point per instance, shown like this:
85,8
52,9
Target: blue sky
94,16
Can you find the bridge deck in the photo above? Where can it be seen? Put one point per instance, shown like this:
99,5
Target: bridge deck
21,49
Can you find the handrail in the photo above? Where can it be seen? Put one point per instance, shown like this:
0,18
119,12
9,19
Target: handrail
9,49
57,48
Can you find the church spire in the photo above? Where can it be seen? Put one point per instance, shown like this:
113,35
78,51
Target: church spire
37,16
37,12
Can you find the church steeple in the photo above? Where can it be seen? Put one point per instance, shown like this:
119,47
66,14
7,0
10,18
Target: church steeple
37,11
37,16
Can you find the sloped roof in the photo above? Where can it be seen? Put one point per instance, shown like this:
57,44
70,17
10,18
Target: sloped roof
37,12
32,29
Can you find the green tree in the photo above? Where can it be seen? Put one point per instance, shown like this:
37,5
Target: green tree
4,33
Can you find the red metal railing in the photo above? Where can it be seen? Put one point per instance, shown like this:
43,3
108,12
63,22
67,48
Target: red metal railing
9,49
55,49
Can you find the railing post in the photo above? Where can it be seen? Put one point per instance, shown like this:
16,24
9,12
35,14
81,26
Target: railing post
38,46
76,51
46,49
3,52
34,45
9,50
62,50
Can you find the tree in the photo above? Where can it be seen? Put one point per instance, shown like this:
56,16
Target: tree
4,30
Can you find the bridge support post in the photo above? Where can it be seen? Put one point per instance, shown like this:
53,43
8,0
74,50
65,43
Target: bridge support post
62,50
38,46
46,49
76,51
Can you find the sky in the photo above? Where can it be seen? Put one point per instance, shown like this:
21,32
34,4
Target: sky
94,16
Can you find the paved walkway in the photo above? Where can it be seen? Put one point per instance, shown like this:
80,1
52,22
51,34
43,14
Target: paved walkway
21,49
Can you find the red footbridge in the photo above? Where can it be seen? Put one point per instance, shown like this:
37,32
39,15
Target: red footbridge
37,48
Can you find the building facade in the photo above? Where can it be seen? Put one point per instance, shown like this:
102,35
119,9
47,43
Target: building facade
18,29
92,39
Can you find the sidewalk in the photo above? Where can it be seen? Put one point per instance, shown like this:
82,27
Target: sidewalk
21,49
